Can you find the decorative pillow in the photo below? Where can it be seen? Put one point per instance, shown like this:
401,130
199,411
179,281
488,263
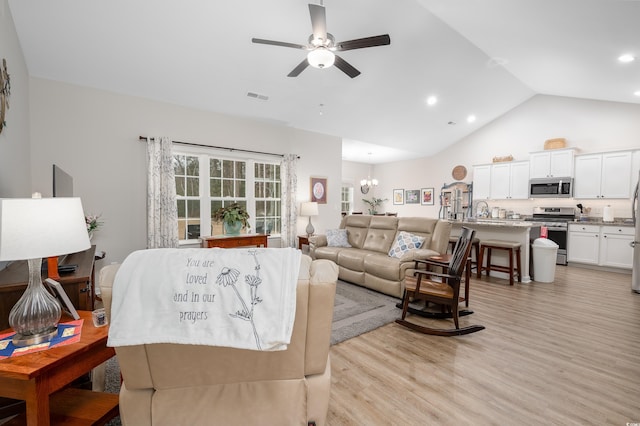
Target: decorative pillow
405,242
337,238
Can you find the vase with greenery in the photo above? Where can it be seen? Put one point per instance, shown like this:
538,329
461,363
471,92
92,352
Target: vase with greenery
234,218
93,223
374,203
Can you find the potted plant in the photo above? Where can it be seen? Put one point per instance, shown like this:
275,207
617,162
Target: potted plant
374,203
233,216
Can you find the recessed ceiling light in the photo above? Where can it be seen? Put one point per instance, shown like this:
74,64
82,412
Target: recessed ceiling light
471,118
432,100
626,58
637,93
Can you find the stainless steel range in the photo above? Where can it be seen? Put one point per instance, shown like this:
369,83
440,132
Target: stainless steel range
556,220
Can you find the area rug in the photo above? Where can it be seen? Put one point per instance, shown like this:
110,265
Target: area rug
358,310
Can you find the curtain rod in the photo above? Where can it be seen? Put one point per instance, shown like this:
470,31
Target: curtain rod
144,138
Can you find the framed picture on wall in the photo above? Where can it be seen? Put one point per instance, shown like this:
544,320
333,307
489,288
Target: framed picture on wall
398,196
426,196
412,196
319,190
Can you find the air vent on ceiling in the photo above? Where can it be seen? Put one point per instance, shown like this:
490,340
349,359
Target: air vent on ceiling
257,96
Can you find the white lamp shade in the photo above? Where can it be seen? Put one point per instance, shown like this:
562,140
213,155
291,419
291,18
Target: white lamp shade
321,57
32,228
309,209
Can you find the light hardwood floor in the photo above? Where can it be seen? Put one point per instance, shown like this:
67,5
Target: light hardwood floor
562,353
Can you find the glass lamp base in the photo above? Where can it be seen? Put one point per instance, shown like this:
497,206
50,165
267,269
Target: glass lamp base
35,315
310,229
34,339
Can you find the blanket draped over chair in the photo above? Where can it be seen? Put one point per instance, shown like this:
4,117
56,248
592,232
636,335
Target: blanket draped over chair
240,298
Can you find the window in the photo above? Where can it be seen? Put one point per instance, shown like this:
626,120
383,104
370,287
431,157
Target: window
347,199
204,183
187,175
267,198
227,185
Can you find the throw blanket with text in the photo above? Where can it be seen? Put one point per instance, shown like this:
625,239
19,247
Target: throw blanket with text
240,298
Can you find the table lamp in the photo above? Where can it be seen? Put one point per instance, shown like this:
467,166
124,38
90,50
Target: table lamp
309,209
34,228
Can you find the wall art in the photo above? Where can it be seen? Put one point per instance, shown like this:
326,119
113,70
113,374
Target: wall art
319,190
426,196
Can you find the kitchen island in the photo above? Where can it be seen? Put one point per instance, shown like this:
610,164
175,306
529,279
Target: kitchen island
519,231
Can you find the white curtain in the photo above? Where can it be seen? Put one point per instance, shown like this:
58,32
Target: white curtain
162,211
289,175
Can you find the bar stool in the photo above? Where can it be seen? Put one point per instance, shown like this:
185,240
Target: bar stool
475,244
511,248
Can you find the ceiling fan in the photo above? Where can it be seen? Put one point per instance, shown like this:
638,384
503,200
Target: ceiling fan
322,45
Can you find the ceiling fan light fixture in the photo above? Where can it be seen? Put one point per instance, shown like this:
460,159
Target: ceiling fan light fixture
321,57
626,58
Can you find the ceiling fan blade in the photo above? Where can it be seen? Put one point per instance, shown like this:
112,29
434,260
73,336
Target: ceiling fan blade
318,21
346,67
297,70
278,43
381,40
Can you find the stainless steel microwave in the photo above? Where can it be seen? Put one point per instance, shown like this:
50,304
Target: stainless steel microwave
551,188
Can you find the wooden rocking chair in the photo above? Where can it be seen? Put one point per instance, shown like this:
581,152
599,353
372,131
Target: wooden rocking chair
444,292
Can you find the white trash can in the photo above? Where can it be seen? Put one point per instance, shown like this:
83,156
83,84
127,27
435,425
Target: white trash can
545,252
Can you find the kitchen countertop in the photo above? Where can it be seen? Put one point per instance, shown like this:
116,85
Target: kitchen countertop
504,223
528,224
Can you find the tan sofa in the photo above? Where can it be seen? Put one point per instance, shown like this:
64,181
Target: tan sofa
367,262
171,384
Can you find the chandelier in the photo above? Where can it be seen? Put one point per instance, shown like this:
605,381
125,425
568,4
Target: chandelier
368,183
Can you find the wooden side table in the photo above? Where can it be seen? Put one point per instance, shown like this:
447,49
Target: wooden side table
233,241
302,240
36,377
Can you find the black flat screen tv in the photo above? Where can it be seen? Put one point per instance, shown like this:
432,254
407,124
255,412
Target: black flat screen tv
62,183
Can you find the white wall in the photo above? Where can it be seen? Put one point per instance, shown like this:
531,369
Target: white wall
352,174
587,125
15,177
93,136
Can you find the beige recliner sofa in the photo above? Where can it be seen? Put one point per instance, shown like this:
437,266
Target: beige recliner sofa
171,384
367,261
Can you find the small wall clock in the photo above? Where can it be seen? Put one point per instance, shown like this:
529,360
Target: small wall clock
459,172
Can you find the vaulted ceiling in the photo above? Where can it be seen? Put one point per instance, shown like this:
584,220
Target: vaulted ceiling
478,57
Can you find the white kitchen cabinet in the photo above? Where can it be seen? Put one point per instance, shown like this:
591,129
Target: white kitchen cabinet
605,175
519,180
551,163
588,173
482,182
500,177
583,244
501,181
603,245
614,246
